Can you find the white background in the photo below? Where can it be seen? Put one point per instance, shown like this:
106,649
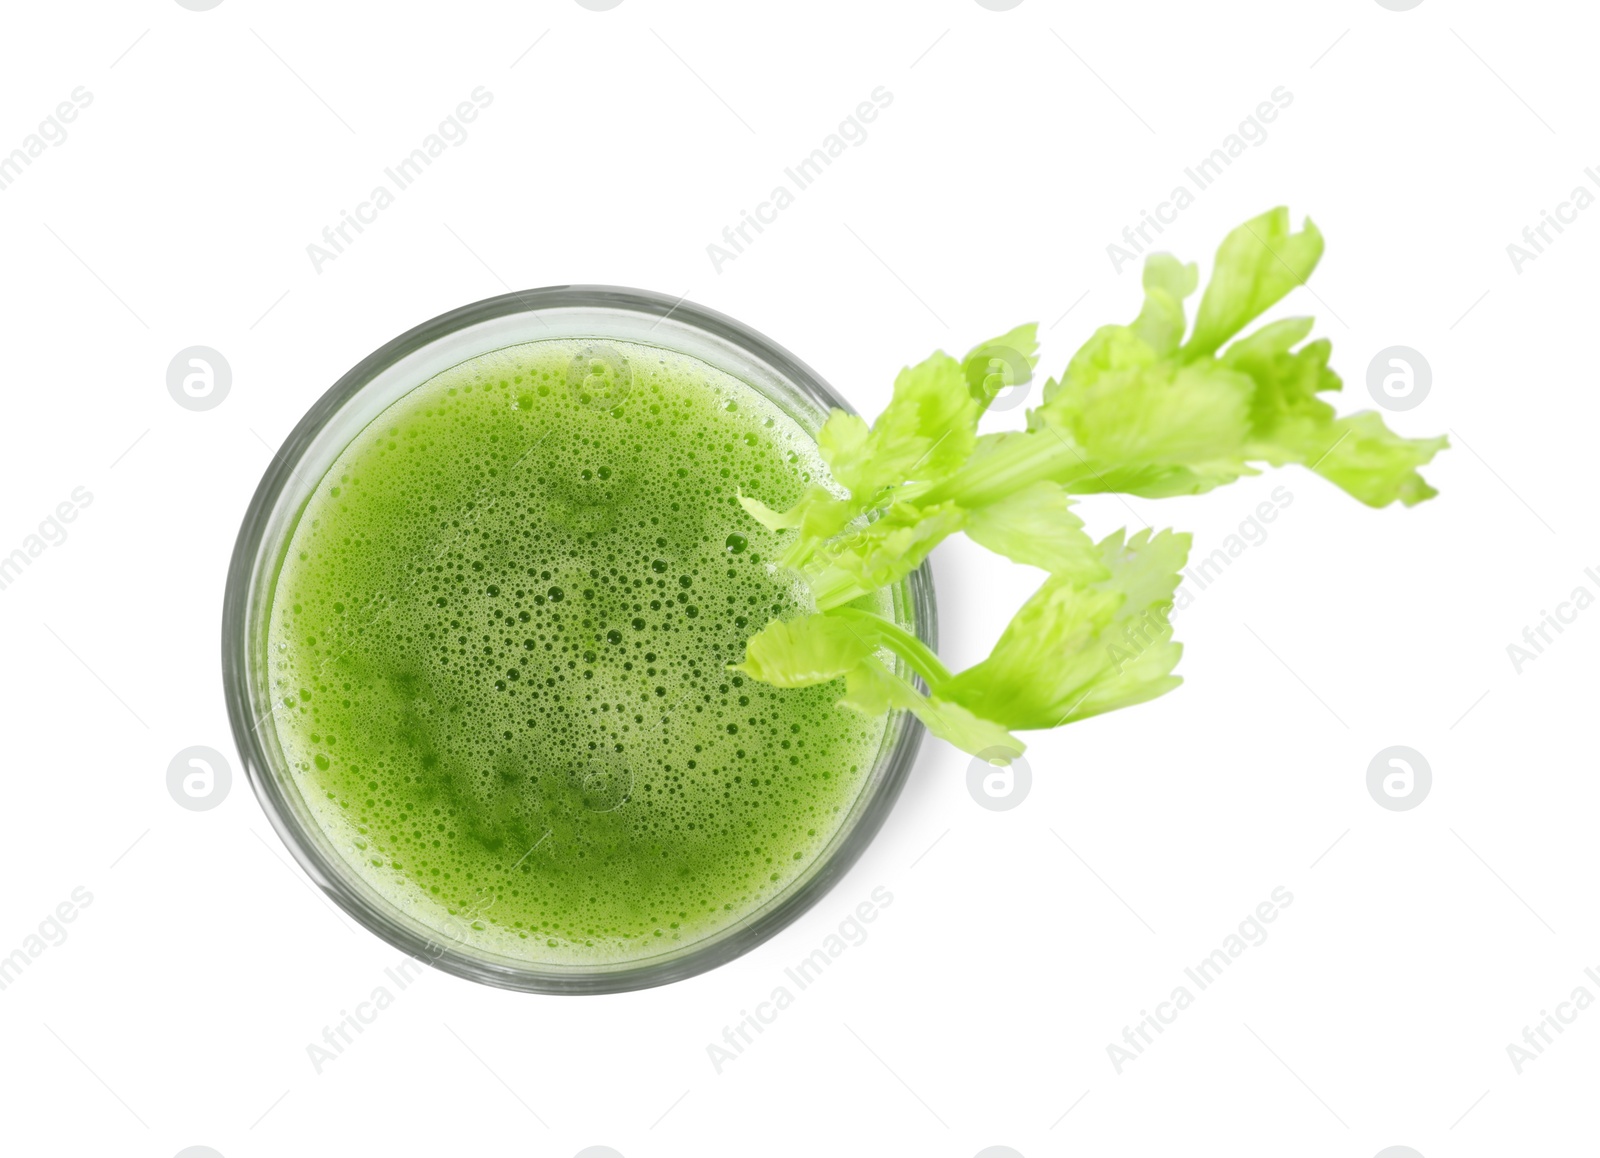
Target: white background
1019,943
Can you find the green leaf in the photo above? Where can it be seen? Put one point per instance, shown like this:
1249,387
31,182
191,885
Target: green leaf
1110,349
1155,414
926,431
803,652
1077,648
873,689
819,515
1139,414
1167,281
1008,360
770,519
843,443
1363,457
1141,645
1036,526
1257,264
1290,423
880,553
818,649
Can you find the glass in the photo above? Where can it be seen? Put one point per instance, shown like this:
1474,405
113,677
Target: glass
584,312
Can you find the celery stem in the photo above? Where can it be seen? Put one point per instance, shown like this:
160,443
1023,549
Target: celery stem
911,649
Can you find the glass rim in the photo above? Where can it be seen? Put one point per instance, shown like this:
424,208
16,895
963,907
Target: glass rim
244,693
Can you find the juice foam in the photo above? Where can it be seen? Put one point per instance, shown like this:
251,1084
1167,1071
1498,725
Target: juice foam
498,649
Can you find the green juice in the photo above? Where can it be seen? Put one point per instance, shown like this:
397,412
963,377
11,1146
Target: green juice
498,649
